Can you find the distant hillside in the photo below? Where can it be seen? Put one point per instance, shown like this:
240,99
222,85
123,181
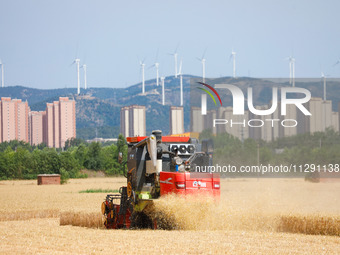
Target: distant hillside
34,95
99,109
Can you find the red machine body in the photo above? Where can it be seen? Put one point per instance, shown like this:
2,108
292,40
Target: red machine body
190,183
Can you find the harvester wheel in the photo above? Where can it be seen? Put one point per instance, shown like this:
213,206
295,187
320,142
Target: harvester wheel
103,207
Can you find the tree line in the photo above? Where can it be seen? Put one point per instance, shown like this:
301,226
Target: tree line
20,160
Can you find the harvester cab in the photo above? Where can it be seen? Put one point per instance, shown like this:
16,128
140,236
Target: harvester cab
158,165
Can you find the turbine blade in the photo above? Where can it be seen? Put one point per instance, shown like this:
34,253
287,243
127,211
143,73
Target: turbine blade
151,66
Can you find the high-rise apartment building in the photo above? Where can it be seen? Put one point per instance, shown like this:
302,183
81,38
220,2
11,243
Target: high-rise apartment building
49,126
236,125
36,127
14,120
176,120
8,119
260,128
124,121
67,120
196,120
21,110
321,117
132,121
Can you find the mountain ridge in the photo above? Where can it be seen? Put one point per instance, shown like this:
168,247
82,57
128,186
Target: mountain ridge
100,107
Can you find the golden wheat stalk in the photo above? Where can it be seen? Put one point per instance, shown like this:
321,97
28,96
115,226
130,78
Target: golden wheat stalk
26,215
82,219
311,224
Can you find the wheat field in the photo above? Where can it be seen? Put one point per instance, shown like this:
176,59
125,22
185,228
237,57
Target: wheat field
276,216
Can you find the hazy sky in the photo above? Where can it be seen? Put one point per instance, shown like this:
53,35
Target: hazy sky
40,39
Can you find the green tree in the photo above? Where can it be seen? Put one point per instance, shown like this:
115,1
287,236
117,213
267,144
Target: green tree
9,162
20,157
69,164
93,160
109,159
80,154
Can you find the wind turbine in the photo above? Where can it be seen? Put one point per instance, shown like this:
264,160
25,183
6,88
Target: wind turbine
202,59
142,66
163,92
233,56
85,80
77,62
324,77
2,74
156,65
175,54
181,82
291,70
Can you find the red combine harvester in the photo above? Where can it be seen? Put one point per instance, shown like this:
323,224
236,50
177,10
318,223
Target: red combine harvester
158,165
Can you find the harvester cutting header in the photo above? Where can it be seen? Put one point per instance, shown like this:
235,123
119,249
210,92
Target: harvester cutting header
158,165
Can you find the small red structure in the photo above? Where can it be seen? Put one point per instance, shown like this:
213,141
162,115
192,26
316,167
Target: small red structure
45,179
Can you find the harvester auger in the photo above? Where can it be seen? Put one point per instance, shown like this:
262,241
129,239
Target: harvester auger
158,165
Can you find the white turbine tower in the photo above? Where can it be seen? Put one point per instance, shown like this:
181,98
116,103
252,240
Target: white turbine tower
181,82
324,77
2,74
203,69
175,54
291,70
163,92
233,56
157,73
77,62
85,79
142,66
202,59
